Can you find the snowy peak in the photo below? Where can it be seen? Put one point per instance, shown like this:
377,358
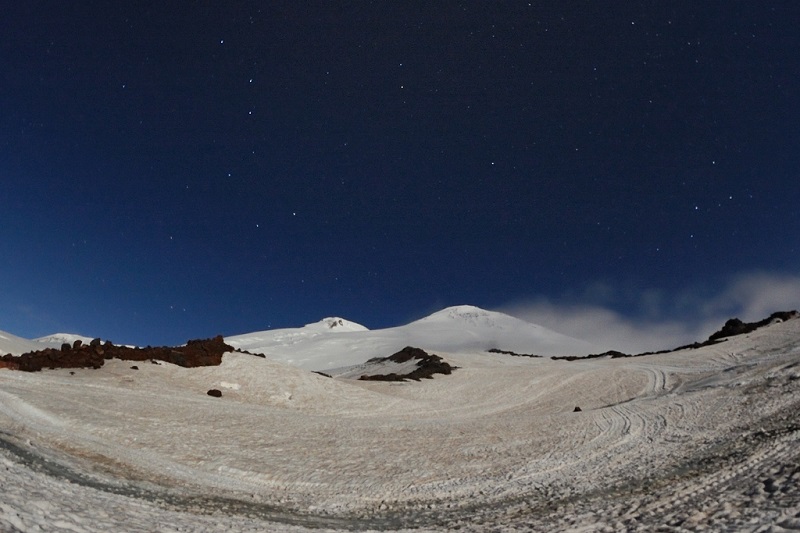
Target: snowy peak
336,325
458,312
17,345
466,327
295,340
57,339
471,316
334,342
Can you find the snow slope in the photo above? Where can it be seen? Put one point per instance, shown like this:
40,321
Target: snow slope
466,327
694,440
460,328
17,345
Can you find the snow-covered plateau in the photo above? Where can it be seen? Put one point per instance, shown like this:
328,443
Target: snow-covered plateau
696,439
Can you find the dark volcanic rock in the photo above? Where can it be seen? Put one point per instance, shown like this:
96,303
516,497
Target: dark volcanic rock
509,352
428,365
383,377
11,365
734,326
53,358
206,352
216,393
408,353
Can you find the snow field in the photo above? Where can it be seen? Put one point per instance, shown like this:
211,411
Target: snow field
692,440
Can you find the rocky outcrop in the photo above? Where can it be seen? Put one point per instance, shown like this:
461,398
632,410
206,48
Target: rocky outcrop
427,366
68,356
509,352
734,326
611,354
195,353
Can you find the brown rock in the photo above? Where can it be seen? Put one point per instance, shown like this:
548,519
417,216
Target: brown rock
206,352
11,365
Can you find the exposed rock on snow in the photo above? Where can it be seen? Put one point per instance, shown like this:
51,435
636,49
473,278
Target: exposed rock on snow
691,440
734,326
511,352
338,324
194,353
423,365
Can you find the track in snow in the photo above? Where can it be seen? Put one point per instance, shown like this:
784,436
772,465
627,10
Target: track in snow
687,440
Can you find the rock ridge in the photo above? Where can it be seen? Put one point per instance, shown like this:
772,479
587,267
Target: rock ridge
201,352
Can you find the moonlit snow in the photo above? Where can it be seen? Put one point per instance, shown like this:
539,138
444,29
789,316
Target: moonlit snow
703,439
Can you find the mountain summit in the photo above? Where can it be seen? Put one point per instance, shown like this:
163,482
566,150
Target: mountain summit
464,313
334,342
466,327
335,324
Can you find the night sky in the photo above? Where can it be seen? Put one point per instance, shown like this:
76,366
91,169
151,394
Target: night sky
174,170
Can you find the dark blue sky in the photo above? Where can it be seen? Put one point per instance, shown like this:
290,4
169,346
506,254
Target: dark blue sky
177,171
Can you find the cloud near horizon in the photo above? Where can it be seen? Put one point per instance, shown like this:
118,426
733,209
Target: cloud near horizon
659,320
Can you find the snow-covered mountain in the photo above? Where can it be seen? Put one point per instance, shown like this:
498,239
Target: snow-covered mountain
57,339
17,345
287,336
335,343
466,327
505,442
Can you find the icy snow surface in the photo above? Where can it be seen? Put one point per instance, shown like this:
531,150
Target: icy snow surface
694,440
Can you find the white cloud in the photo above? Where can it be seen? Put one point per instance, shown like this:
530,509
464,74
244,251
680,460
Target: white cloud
660,320
605,328
755,296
